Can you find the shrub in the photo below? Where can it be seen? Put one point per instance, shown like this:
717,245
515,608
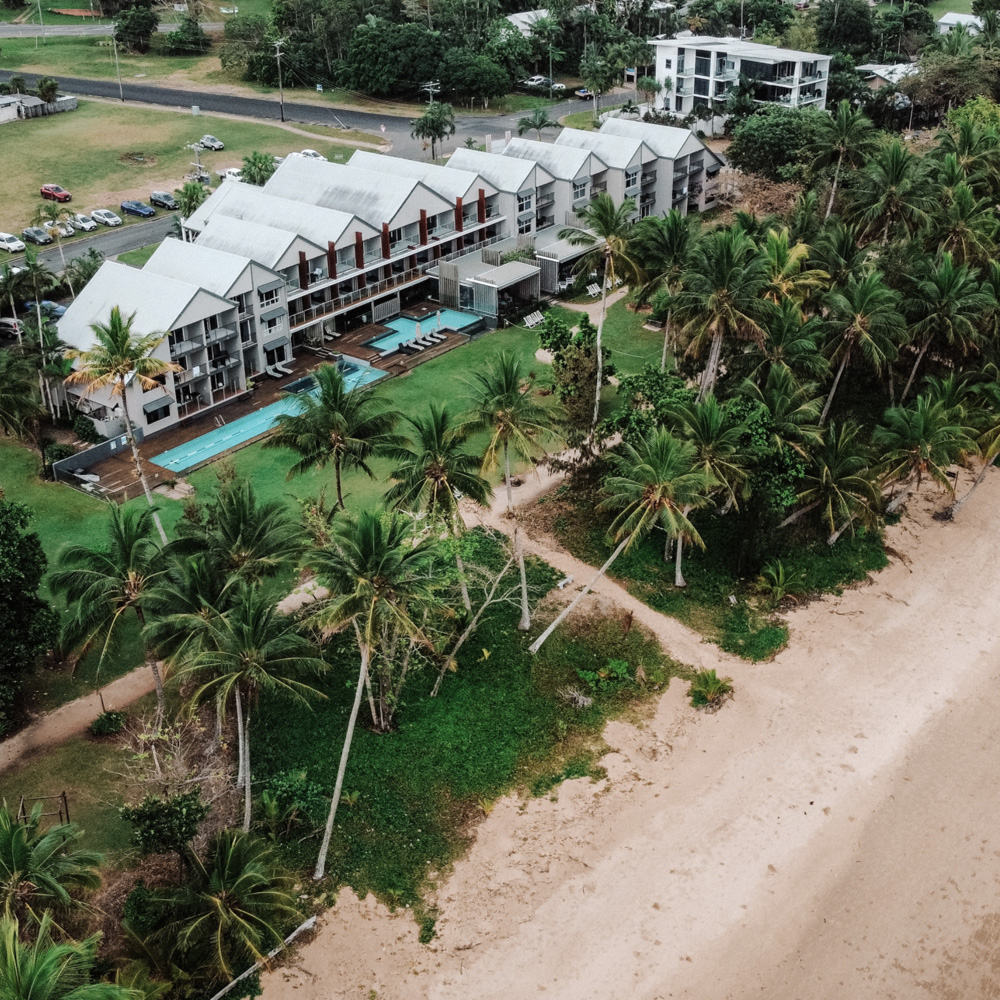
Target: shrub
139,911
84,429
57,452
612,677
165,824
108,724
708,690
291,800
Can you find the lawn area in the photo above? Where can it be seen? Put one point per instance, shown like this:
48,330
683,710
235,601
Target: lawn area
91,151
940,7
585,119
632,347
136,258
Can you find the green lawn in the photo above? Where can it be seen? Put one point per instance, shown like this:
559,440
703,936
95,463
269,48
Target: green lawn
631,346
136,258
91,151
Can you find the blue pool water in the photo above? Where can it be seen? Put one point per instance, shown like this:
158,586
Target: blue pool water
215,442
405,329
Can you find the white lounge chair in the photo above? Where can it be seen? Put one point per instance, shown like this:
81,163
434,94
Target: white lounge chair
283,368
593,291
270,371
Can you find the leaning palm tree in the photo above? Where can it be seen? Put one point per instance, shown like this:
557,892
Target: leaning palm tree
867,313
118,357
721,297
40,969
338,425
56,215
377,574
655,484
503,407
36,277
42,869
248,649
535,122
231,914
435,470
844,138
791,344
12,287
19,406
105,587
893,192
605,230
986,421
947,305
664,244
965,226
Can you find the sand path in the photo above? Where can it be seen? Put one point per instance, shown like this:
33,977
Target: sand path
830,834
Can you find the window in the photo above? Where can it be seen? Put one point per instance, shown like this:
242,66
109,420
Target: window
395,236
152,416
700,87
667,63
269,297
579,190
631,178
175,337
678,104
276,356
702,63
524,227
272,325
524,202
213,323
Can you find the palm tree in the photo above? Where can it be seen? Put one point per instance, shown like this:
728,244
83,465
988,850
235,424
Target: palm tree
36,276
377,575
974,150
839,482
517,425
790,344
655,484
19,406
53,212
664,244
11,288
605,229
257,168
40,870
987,424
435,124
347,427
788,276
792,408
892,192
538,119
868,314
838,252
435,471
965,227
233,911
119,356
948,304
248,649
43,970
189,196
721,297
846,136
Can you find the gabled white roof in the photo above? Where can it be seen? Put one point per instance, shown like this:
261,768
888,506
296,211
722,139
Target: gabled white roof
374,197
246,239
449,184
969,20
564,162
890,72
157,301
664,140
254,204
615,150
214,270
525,19
505,173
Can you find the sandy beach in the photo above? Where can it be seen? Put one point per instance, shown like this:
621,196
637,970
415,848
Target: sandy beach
831,833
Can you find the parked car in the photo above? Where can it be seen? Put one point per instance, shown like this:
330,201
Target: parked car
53,192
139,208
311,154
35,234
105,217
49,308
542,83
802,5
60,228
10,243
84,223
210,142
584,94
232,174
9,328
163,199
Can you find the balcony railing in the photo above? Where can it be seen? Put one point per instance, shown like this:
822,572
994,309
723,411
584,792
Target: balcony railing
810,77
546,199
684,72
598,186
223,362
648,177
190,374
181,347
221,333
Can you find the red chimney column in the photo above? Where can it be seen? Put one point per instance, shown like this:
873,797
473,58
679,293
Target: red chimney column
482,205
458,214
303,270
331,259
423,227
385,240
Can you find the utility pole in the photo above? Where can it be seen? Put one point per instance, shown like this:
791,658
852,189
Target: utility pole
281,89
118,70
41,24
432,87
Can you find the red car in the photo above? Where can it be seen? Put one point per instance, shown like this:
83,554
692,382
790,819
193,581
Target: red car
55,193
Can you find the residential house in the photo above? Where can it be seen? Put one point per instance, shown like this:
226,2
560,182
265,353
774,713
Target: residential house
972,24
879,75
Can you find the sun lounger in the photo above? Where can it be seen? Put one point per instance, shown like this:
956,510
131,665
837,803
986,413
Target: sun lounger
593,291
270,371
283,368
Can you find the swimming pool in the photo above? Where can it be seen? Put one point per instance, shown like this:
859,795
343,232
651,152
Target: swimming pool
215,442
405,329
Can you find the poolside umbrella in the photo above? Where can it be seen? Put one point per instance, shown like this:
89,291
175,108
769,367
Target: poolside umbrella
439,319
418,333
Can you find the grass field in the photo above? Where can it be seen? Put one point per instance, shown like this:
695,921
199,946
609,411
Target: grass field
136,258
90,151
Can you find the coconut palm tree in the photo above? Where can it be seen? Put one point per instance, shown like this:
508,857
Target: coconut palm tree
503,407
792,410
189,197
606,230
839,482
42,869
19,406
664,244
40,969
721,299
892,193
11,289
946,305
119,356
53,212
844,138
257,168
987,424
377,575
654,484
790,344
338,425
247,649
868,315
974,149
788,276
838,251
535,122
105,587
231,914
436,470
965,226
37,278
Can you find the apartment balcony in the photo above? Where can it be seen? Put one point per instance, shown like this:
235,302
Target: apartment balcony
810,98
222,362
221,333
679,196
812,77
727,74
647,199
191,374
648,177
684,91
687,71
598,186
546,199
182,347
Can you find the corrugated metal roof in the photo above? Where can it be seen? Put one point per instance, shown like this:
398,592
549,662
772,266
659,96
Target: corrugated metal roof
157,302
215,270
507,274
564,162
263,244
615,150
450,184
664,140
505,173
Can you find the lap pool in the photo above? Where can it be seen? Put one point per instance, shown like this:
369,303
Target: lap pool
206,446
404,329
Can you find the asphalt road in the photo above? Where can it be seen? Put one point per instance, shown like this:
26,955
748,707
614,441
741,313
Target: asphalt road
8,30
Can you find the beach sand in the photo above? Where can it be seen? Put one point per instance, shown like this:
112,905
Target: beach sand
833,832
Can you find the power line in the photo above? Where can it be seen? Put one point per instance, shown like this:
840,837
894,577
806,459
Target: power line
281,89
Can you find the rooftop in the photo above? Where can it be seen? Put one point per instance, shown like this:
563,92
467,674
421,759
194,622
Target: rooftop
737,47
664,140
505,173
892,72
449,183
615,150
968,19
524,20
264,244
565,162
212,269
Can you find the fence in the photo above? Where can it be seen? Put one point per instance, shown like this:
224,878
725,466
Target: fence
61,810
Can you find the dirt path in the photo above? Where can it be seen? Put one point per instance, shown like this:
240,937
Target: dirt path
830,835
74,717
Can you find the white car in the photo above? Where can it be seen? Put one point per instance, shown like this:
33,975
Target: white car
106,218
10,243
60,228
312,154
84,223
232,174
210,142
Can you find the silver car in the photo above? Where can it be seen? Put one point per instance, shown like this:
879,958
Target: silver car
105,217
58,228
84,223
11,243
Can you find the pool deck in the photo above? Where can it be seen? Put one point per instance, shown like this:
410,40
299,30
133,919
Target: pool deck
118,473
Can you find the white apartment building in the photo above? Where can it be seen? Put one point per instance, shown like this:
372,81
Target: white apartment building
703,68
